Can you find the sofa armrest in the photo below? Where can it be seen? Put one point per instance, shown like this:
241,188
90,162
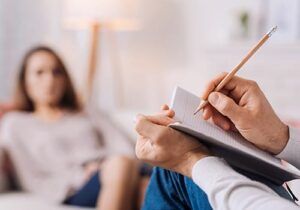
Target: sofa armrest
4,179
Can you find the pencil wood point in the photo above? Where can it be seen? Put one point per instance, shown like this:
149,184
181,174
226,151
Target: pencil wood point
201,106
196,112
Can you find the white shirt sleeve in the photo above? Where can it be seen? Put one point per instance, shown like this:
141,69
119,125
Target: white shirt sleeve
226,189
291,152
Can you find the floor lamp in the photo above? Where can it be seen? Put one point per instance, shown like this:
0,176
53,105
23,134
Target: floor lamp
97,16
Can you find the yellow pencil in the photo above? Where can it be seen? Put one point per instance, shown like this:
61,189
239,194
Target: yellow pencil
238,67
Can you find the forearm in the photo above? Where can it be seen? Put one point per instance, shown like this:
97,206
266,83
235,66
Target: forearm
227,189
291,152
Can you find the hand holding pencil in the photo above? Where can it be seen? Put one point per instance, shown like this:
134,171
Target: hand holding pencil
238,67
241,106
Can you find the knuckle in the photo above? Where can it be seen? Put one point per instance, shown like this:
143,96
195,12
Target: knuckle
253,84
255,114
138,125
139,154
137,149
140,151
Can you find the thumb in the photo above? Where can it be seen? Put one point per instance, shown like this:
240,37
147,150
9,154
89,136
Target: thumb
225,105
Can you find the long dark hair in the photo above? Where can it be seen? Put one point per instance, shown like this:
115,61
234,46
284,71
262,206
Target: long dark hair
22,100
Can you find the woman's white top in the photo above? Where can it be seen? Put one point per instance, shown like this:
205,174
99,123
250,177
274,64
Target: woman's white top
49,157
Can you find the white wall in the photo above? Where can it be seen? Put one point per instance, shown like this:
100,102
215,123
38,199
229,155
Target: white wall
180,42
206,47
27,23
3,73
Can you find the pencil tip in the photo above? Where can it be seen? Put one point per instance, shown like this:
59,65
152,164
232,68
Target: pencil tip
273,30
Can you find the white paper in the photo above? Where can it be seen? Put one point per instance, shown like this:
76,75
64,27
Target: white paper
184,104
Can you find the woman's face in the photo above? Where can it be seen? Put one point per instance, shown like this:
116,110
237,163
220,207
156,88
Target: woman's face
44,82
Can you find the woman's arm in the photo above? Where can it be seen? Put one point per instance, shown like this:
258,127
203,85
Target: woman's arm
227,189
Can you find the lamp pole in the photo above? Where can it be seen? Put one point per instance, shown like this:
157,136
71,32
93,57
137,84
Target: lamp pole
95,28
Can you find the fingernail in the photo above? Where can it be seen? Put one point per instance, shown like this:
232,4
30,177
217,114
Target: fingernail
170,112
213,98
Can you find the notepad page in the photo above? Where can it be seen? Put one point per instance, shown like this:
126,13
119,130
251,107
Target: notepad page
184,104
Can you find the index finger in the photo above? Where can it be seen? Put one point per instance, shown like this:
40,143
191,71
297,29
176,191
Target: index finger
146,128
212,85
161,119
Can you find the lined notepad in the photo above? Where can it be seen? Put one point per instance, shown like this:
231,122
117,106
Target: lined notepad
229,145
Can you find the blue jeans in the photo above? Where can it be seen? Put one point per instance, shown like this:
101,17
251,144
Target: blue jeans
171,191
88,195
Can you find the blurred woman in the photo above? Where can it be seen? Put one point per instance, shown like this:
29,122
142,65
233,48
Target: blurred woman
55,149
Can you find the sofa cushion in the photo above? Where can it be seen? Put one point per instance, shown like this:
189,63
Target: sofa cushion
26,201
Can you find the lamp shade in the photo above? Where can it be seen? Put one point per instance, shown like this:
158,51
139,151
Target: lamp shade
86,11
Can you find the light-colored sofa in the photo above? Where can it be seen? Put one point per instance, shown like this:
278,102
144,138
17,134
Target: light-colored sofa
25,201
17,200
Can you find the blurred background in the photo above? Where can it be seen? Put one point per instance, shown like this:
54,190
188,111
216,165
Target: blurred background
144,48
127,56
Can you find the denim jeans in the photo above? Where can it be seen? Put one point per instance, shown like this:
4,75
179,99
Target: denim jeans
171,191
88,195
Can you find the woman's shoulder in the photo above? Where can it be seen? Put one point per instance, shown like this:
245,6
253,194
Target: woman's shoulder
14,117
10,123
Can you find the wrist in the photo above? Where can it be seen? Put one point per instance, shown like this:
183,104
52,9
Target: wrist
281,139
191,159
